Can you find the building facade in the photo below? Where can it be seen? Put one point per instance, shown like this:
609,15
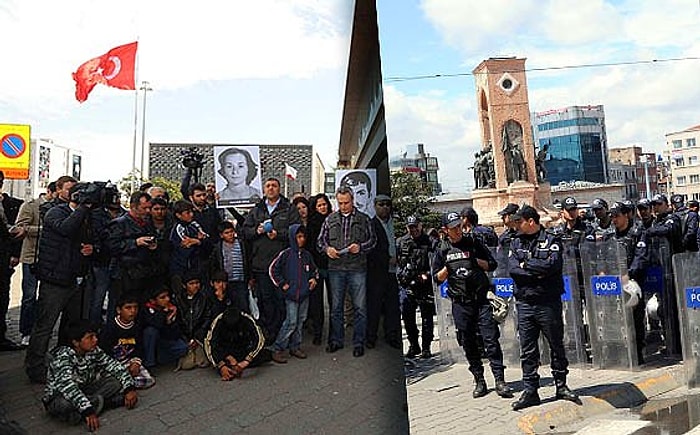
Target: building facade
646,174
685,162
165,160
577,143
415,160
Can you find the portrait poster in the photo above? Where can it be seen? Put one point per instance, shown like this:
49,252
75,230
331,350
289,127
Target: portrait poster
363,183
238,173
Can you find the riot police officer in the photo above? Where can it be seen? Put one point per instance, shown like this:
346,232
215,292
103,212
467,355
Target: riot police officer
535,265
510,228
573,227
601,227
633,239
644,213
470,223
413,272
463,262
689,223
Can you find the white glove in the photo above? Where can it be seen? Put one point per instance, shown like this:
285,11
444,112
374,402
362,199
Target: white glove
634,291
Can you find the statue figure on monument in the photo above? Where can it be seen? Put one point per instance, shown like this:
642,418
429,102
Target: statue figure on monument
490,170
477,170
539,163
512,150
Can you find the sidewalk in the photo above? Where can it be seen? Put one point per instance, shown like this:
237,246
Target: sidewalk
440,397
325,393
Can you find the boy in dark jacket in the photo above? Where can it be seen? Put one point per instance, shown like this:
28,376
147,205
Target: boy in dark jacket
219,297
121,339
293,271
195,312
162,339
229,255
187,239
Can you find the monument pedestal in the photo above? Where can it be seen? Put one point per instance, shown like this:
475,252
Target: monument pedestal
488,202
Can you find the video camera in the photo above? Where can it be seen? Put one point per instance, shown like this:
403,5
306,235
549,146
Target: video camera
95,193
192,159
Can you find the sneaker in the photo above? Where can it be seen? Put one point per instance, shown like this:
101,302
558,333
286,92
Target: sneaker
279,357
25,341
298,353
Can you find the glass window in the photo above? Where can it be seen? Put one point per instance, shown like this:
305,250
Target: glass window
695,178
678,143
690,142
679,161
680,181
693,160
696,196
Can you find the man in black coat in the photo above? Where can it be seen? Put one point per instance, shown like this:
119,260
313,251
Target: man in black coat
382,287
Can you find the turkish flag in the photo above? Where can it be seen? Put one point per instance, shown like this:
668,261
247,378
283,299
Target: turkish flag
114,68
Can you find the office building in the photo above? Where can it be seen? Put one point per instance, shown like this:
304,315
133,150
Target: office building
685,164
415,160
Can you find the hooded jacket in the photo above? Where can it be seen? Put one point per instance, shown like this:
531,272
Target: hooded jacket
293,266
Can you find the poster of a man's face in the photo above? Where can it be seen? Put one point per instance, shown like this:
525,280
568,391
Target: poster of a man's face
363,183
237,175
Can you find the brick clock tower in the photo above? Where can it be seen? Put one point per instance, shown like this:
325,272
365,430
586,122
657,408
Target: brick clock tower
506,137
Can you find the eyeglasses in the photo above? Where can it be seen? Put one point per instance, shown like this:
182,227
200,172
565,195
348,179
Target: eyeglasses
384,203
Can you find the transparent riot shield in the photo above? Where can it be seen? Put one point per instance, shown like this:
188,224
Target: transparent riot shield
687,282
572,313
613,343
450,350
503,287
659,281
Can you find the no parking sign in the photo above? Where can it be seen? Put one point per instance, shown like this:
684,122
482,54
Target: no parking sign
14,151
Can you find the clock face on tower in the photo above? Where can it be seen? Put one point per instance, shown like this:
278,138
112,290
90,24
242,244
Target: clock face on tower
507,83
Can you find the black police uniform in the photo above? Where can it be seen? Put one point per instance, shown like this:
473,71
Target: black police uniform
413,272
535,264
689,228
634,241
468,284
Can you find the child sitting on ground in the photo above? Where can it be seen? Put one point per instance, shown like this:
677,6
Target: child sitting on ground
294,273
82,379
121,339
162,340
195,319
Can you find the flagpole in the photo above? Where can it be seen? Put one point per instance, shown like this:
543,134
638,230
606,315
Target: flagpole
136,111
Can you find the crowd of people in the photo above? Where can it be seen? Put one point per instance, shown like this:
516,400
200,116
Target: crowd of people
187,284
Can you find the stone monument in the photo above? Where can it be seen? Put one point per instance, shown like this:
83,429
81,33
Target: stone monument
505,170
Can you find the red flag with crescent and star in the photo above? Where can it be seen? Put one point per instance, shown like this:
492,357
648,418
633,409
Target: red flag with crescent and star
114,68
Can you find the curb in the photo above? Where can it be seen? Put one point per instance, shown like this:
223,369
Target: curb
601,401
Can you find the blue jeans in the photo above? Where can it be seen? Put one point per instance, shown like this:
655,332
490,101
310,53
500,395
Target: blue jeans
160,351
356,284
27,313
100,286
290,334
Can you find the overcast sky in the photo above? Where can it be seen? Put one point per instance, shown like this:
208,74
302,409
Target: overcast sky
642,102
273,71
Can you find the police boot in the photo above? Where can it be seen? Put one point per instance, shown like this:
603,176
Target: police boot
413,350
480,388
564,393
526,400
503,390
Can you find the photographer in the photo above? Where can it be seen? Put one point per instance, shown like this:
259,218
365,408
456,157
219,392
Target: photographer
65,248
413,272
133,245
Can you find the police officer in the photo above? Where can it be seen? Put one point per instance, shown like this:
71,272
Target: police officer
510,228
634,240
601,227
646,218
572,227
689,223
413,271
535,265
463,262
470,223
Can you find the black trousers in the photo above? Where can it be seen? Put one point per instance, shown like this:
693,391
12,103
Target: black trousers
271,304
547,319
427,312
317,306
5,276
383,300
473,316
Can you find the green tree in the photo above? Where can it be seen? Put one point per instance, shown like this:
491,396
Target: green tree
411,196
133,181
171,186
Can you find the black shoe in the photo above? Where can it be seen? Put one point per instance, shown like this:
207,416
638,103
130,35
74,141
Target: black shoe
413,351
358,352
503,390
7,345
371,344
316,341
426,354
332,347
527,399
564,393
481,389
